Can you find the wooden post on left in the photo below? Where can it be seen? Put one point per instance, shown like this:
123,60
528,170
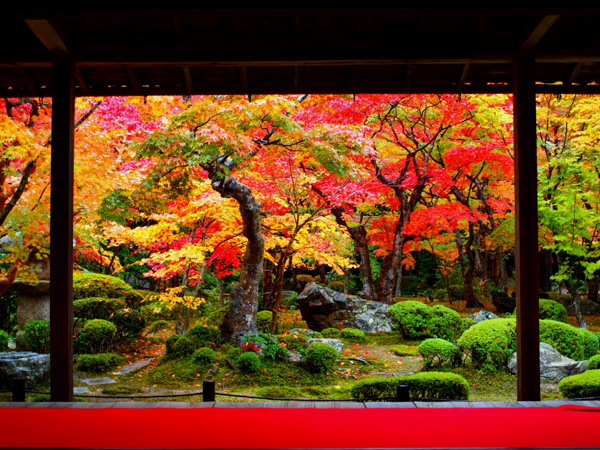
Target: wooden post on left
61,233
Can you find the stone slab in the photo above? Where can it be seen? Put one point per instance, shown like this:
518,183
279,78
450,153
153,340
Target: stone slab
98,381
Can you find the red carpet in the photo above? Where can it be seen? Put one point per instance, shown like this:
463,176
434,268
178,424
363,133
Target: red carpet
574,427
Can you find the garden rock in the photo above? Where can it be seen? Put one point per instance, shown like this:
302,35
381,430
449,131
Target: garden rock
553,365
335,343
33,367
482,315
587,307
322,308
307,333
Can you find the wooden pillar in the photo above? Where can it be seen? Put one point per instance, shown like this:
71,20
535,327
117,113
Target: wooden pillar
61,233
528,335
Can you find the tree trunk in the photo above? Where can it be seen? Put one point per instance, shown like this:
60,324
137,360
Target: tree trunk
592,288
240,318
466,260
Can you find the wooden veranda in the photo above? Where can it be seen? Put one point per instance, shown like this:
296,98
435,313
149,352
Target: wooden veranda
69,52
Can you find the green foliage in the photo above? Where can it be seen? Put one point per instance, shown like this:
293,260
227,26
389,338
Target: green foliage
36,334
263,322
129,322
594,363
304,279
436,352
552,310
183,348
353,335
416,320
4,337
445,323
410,318
586,384
275,352
331,333
320,357
455,291
97,363
96,336
158,325
405,350
204,356
336,286
572,342
87,285
248,362
295,342
97,307
490,343
205,336
216,317
426,385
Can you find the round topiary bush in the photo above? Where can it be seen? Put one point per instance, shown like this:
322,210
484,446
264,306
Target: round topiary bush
445,323
204,356
96,336
569,341
336,286
331,333
439,351
205,336
353,335
320,357
586,384
263,322
97,307
275,352
552,310
594,363
184,347
36,334
490,343
97,363
248,363
87,285
410,318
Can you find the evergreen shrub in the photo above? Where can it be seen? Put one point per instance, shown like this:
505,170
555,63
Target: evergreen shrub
439,351
490,343
586,384
204,356
248,363
4,337
97,307
336,286
320,357
425,385
353,335
87,285
96,336
594,363
184,347
129,322
97,363
445,323
331,333
36,334
410,318
263,322
552,310
569,341
205,336
275,352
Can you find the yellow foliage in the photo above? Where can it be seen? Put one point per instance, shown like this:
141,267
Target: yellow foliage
175,297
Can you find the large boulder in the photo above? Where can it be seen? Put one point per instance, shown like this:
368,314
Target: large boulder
553,365
33,367
587,307
322,308
482,315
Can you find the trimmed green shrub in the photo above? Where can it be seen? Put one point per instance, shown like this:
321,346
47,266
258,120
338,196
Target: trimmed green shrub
336,286
263,322
410,318
594,363
439,351
96,336
275,352
4,337
36,334
129,322
569,341
97,307
100,362
425,385
320,357
353,335
248,362
184,347
158,325
552,310
586,384
405,350
205,336
204,356
87,285
490,343
331,333
304,279
445,323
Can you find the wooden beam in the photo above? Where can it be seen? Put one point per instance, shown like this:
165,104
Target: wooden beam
526,226
539,31
49,36
61,233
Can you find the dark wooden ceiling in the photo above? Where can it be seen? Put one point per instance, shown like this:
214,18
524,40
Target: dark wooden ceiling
298,50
